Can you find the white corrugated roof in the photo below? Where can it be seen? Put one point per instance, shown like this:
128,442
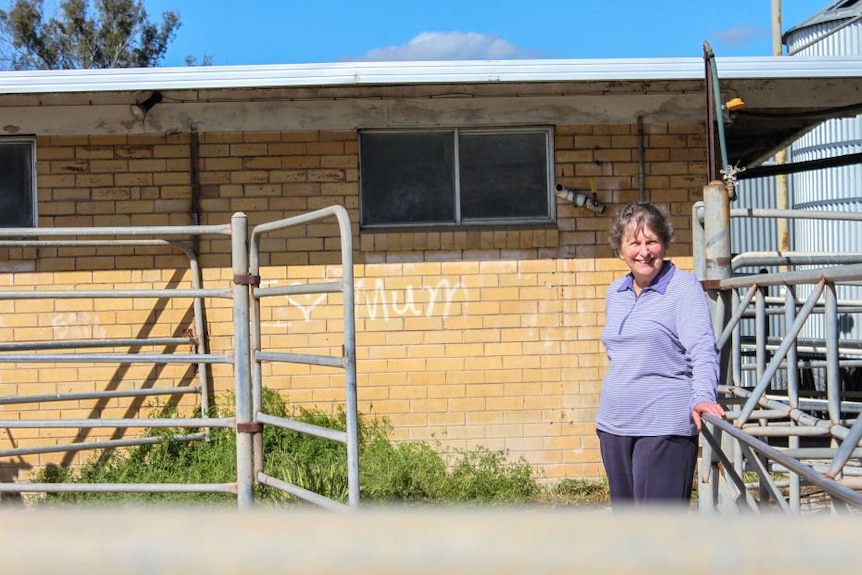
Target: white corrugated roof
401,73
840,10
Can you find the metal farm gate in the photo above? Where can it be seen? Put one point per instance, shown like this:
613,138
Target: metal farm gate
244,296
792,428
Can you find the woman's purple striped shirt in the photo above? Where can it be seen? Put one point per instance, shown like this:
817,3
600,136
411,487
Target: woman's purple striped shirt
663,360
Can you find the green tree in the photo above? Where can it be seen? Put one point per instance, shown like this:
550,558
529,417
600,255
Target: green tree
84,34
207,60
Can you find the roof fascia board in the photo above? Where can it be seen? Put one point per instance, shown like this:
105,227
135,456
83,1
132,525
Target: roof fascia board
442,72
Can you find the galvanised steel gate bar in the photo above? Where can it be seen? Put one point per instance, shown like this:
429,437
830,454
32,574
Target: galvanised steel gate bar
766,409
347,361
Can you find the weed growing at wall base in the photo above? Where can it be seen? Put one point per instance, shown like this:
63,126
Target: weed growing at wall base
390,473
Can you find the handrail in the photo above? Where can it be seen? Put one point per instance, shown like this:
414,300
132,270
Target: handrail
830,486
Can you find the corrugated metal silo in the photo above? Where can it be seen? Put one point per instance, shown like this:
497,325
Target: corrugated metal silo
836,31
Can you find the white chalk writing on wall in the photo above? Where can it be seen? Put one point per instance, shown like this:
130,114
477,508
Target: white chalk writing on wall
377,301
77,325
308,306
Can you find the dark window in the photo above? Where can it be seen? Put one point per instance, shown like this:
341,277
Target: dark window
503,176
17,189
408,178
455,177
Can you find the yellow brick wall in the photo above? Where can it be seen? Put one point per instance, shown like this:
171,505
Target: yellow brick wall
467,337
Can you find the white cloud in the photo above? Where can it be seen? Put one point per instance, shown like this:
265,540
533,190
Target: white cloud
448,46
740,35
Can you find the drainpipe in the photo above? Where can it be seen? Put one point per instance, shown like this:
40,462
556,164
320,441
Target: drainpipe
201,334
641,161
715,266
194,171
714,165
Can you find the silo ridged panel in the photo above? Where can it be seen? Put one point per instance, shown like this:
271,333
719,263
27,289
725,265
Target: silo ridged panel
830,33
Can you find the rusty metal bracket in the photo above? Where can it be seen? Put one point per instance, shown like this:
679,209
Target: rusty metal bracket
250,427
710,284
246,279
190,333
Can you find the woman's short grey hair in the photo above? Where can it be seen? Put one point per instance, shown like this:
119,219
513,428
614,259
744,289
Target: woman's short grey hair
636,216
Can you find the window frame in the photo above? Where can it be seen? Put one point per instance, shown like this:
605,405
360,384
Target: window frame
30,142
459,222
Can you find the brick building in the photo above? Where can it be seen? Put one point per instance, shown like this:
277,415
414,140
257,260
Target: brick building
479,291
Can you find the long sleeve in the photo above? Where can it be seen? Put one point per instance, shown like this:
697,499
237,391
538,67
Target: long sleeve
694,326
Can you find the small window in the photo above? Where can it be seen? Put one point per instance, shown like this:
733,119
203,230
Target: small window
17,183
453,177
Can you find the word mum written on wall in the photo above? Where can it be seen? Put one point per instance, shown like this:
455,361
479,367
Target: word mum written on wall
385,304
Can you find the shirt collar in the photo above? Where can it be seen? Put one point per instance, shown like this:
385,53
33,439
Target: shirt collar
658,284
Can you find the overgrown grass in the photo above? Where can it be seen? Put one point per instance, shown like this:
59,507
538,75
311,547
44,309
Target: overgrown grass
403,473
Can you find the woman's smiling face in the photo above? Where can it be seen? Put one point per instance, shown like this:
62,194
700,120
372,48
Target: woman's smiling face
643,253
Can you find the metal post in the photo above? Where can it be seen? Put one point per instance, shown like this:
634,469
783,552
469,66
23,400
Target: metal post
781,187
697,240
242,361
833,368
256,368
349,357
760,331
717,261
716,266
792,363
707,479
761,334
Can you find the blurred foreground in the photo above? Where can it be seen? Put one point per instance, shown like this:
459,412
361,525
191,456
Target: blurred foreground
150,541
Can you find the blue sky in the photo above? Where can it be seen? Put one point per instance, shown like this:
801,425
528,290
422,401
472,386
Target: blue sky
316,31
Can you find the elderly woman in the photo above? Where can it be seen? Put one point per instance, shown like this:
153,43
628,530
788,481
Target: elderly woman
663,366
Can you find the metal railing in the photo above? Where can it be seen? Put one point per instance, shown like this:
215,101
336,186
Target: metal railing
125,352
347,361
248,419
790,437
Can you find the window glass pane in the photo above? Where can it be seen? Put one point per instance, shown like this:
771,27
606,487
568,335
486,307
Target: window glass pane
16,185
504,175
407,178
